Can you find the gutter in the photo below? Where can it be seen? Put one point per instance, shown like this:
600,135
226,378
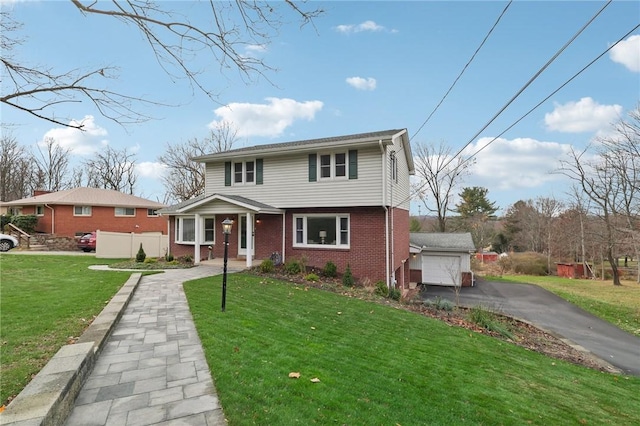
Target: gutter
386,214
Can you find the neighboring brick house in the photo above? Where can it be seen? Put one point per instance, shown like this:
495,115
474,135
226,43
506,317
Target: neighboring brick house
76,211
341,199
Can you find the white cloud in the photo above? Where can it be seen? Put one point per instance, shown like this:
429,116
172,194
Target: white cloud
368,26
81,142
151,169
255,49
362,83
515,164
627,53
586,115
270,119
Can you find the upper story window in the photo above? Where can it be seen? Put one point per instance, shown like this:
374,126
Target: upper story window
394,167
152,212
322,230
333,166
243,172
82,210
125,211
40,210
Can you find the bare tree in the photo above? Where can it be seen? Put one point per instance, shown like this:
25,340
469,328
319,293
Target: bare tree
112,169
16,169
597,179
52,166
185,178
548,209
439,174
179,45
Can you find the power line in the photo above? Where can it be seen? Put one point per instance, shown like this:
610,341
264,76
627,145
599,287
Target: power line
463,69
525,86
531,80
552,93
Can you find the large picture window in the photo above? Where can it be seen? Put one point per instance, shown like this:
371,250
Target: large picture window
321,231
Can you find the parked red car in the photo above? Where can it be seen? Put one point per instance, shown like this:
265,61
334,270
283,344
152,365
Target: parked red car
87,242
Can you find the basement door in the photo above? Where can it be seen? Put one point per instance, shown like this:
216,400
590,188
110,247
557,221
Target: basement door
441,270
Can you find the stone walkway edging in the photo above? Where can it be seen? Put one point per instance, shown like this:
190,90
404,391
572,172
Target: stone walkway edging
49,398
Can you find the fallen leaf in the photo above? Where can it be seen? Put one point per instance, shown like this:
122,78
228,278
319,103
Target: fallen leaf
315,380
294,375
313,328
339,313
2,408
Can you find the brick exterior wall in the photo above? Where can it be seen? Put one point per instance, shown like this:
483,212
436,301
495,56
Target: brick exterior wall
103,218
365,257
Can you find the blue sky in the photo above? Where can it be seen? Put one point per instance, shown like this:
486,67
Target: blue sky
364,66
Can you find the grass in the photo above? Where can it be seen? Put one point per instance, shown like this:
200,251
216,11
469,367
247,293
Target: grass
46,301
378,365
619,305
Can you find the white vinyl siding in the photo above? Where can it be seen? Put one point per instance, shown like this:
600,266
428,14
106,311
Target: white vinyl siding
286,183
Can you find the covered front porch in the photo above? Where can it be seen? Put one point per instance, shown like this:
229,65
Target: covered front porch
196,229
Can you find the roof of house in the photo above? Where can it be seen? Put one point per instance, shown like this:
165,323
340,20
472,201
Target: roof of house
238,200
458,242
87,197
322,143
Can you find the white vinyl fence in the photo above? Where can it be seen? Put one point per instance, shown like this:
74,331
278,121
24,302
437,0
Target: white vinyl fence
118,245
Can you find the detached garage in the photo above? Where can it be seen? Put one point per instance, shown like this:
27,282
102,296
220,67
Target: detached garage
441,259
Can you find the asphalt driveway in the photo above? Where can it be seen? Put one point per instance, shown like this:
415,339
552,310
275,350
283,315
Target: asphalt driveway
550,312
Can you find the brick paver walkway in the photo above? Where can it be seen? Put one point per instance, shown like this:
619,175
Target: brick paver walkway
152,370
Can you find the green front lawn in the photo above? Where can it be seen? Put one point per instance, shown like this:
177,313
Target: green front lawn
620,305
46,301
379,365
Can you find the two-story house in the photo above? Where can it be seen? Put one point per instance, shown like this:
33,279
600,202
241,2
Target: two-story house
341,199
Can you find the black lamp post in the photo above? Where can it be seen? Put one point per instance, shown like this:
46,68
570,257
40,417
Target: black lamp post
226,230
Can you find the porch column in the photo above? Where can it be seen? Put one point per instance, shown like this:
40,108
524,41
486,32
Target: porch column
196,249
249,239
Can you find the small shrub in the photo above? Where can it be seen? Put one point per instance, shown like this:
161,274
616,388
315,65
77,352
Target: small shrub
267,266
168,257
347,278
151,260
187,258
141,255
488,320
26,222
382,289
312,277
395,294
330,270
292,267
440,304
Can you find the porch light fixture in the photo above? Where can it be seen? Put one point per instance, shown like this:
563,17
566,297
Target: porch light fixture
227,224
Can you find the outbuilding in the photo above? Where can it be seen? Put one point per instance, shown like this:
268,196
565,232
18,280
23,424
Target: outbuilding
441,259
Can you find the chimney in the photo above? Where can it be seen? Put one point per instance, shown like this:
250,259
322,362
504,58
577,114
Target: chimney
37,192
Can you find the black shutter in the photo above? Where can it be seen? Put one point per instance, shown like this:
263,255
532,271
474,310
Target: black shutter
259,171
353,164
227,173
313,166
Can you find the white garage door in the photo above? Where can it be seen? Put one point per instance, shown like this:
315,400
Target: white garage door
441,270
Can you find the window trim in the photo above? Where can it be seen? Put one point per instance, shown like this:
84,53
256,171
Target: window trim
179,226
333,166
124,209
243,172
154,213
82,213
339,231
41,208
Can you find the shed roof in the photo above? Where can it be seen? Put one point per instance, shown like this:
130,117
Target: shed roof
454,242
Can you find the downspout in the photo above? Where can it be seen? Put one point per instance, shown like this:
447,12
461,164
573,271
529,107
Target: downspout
386,214
284,232
169,234
53,218
391,236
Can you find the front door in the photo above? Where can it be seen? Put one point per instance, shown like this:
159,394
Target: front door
242,246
